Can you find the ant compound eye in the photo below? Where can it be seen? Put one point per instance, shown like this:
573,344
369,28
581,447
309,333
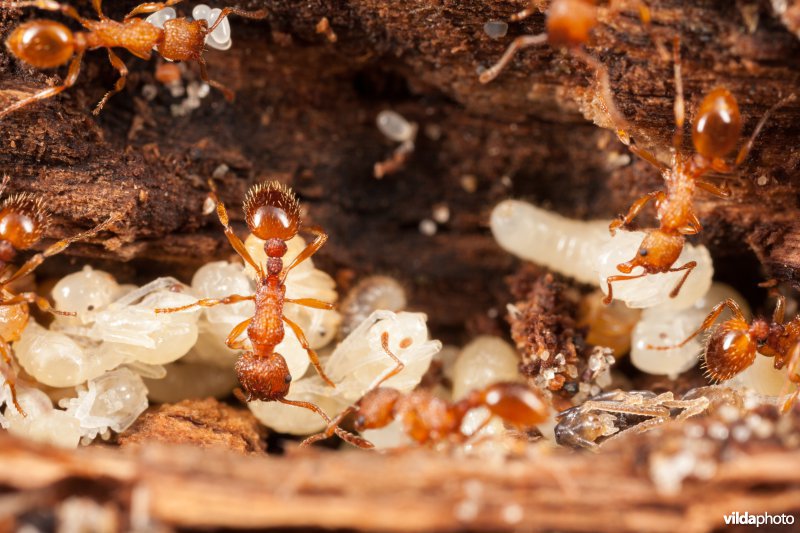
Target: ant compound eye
42,43
718,125
272,211
287,378
643,252
361,420
23,219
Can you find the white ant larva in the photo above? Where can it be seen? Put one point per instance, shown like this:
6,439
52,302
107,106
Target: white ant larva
585,251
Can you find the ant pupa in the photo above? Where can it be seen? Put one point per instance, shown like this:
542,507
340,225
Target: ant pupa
46,44
733,345
24,218
428,419
272,213
716,130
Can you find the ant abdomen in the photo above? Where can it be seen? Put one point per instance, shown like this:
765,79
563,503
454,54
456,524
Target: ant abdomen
42,43
515,403
272,211
569,22
730,350
718,125
263,378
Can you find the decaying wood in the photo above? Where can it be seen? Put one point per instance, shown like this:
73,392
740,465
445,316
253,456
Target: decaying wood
305,114
157,486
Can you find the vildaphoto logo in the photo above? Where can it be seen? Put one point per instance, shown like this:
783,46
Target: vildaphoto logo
763,519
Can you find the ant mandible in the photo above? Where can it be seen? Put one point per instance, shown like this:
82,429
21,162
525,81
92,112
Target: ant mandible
715,133
732,347
23,220
272,213
47,44
429,419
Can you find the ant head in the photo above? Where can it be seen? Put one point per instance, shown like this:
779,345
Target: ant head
515,403
263,378
42,43
732,347
374,410
272,211
718,125
23,220
570,21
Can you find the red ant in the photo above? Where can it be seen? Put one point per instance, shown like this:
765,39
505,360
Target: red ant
715,132
272,213
428,419
733,345
23,220
47,44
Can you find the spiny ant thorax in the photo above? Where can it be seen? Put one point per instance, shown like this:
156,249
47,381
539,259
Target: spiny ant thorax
272,211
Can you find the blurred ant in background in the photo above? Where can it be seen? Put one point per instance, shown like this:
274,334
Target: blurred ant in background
24,218
428,419
45,44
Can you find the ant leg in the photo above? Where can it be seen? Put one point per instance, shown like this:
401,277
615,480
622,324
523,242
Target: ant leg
679,105
745,150
10,378
227,93
525,13
235,241
69,81
311,302
231,341
148,7
207,302
39,301
259,14
791,377
707,323
520,43
344,435
320,237
637,206
31,264
688,267
647,156
312,355
123,77
98,7
612,279
723,191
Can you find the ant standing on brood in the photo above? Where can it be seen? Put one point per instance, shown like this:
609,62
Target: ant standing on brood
272,213
46,44
715,132
23,221
733,345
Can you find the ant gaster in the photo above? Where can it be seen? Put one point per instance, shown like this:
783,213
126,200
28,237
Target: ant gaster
428,419
715,133
24,218
272,213
732,346
47,44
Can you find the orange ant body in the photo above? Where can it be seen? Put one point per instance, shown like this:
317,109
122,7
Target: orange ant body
47,44
272,213
733,345
428,419
715,132
23,220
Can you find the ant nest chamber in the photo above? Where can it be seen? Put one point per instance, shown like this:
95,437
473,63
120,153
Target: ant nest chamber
447,267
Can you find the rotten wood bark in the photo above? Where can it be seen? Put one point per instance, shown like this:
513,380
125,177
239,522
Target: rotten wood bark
305,114
157,487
